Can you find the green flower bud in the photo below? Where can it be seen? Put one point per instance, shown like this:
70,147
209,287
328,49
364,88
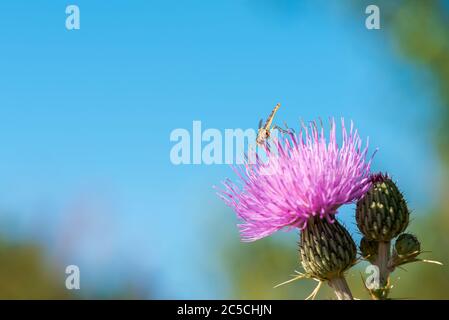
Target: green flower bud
382,213
326,249
407,245
369,249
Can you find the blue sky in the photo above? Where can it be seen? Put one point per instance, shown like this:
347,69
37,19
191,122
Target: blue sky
85,120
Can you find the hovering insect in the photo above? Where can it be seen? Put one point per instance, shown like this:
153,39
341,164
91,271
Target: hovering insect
264,131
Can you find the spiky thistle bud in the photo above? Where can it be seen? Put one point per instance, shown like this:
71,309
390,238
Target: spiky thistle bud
407,245
382,212
369,249
327,250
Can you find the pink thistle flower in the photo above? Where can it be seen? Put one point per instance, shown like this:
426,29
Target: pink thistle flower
308,176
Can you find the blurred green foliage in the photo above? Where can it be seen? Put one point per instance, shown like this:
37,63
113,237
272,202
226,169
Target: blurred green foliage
420,30
25,274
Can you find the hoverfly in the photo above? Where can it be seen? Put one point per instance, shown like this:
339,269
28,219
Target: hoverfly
264,131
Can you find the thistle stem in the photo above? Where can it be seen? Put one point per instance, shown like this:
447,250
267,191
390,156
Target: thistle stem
341,288
383,256
382,261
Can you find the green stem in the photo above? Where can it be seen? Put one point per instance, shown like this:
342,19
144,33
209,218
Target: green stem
341,288
382,261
